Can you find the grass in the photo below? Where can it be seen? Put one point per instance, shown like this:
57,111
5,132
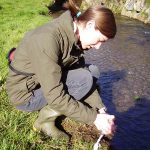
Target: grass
148,2
16,18
16,131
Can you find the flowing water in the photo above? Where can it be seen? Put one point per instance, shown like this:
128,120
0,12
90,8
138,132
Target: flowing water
124,63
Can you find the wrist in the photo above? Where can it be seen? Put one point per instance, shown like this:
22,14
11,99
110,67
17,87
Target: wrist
99,117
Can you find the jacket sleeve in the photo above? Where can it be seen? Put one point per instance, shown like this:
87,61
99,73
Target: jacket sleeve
44,56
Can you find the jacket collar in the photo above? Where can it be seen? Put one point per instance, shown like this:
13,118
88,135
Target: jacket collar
66,23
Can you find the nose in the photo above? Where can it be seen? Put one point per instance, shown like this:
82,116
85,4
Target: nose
97,46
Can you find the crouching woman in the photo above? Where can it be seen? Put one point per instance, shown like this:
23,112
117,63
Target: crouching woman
47,73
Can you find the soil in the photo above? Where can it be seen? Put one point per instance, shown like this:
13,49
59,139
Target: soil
84,132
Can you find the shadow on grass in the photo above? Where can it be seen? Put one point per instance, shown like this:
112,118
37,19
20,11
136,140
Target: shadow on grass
1,7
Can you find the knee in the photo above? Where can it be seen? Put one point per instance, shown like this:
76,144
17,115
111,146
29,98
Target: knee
95,72
79,82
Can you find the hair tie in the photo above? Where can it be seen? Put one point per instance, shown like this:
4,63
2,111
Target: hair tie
78,14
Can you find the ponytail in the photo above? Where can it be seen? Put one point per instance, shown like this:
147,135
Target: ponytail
73,7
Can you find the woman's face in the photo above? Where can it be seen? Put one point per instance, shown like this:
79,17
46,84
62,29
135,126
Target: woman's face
90,37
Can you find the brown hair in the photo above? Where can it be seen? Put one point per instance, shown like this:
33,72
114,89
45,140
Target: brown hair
73,6
103,17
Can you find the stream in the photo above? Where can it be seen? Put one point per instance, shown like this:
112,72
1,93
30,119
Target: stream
124,63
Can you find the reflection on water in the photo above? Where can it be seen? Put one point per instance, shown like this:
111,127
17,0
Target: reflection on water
125,83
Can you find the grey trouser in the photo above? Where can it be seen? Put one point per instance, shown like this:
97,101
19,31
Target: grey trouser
78,82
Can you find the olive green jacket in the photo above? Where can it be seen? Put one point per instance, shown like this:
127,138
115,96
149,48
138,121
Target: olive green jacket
46,52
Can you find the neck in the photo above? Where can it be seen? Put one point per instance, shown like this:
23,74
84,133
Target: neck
76,31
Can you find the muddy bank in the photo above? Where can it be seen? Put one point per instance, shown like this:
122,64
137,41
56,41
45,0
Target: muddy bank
85,133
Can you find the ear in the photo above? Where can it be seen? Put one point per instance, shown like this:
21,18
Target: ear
90,24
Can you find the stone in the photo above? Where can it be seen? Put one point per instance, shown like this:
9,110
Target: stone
139,5
102,2
138,9
129,5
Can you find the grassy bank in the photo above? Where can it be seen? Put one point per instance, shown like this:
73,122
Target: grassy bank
16,18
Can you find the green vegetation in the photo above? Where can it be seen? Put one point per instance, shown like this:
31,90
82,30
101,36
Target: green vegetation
137,98
144,14
16,18
148,2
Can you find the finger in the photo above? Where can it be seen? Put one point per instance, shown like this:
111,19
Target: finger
111,120
114,128
112,117
107,131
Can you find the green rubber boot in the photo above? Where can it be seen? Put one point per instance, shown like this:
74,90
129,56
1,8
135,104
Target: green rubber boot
46,123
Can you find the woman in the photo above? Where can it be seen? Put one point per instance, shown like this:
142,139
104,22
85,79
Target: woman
48,70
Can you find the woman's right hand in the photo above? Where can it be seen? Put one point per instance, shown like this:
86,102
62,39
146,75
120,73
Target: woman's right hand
105,123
